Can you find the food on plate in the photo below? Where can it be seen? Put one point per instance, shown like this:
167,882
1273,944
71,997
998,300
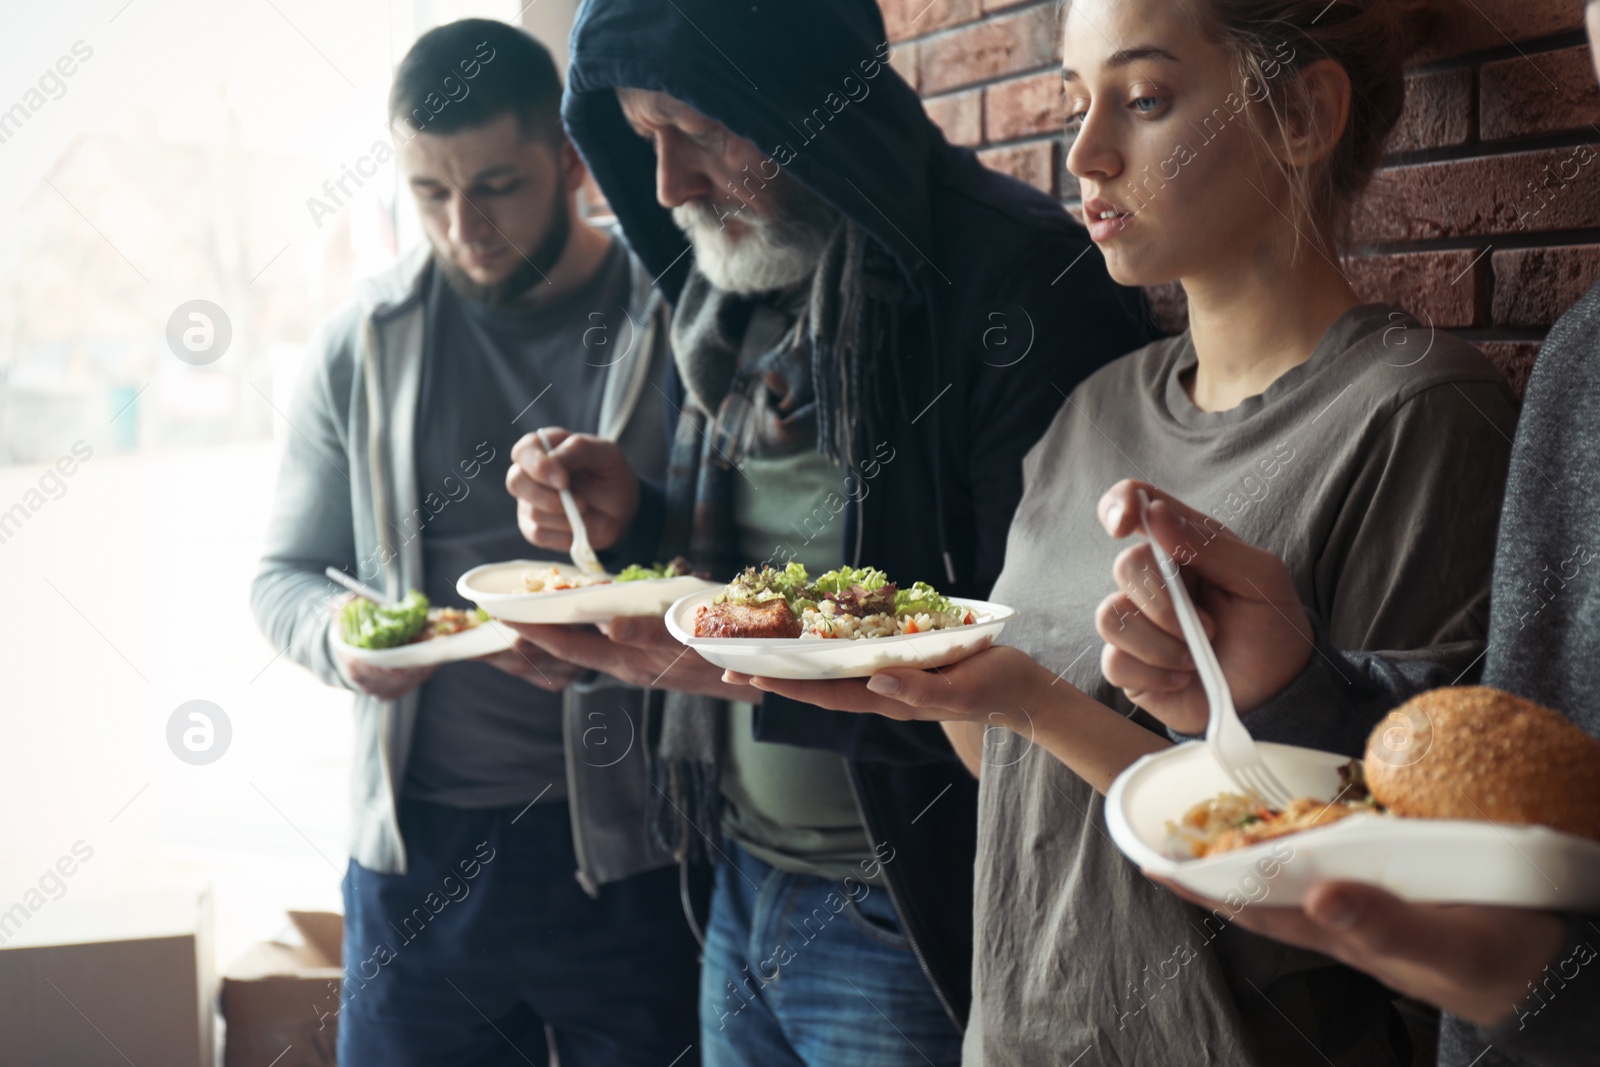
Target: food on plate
767,618
1464,752
1233,820
851,603
1471,752
635,572
553,579
364,624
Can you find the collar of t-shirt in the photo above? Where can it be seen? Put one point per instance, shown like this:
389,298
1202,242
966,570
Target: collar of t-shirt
1346,330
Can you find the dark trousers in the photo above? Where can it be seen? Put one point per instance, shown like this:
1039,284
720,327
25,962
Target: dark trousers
487,940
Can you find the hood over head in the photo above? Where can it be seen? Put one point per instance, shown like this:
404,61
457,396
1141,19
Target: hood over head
808,83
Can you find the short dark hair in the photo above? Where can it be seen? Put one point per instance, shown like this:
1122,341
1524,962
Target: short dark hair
468,73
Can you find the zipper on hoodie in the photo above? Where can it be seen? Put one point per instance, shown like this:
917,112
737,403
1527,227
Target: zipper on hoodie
378,473
583,876
899,908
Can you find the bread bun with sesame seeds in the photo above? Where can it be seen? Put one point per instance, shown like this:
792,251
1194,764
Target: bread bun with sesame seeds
1471,752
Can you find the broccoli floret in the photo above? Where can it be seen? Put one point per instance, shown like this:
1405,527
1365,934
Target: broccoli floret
368,625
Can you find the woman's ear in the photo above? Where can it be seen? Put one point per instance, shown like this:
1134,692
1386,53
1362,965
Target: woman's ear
1317,124
1591,19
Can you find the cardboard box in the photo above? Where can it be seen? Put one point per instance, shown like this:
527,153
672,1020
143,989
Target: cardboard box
280,1002
105,981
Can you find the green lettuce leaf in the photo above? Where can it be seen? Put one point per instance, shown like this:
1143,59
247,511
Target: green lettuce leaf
921,597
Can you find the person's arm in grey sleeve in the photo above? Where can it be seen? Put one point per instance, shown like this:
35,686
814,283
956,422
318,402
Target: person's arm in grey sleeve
1291,682
310,528
1558,1025
1338,698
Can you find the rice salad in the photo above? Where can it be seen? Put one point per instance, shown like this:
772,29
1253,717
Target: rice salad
553,579
826,620
850,603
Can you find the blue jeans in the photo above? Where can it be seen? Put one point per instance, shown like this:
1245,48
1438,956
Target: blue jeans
801,971
486,949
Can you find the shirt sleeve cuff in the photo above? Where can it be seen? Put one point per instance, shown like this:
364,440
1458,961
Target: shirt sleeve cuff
1559,1021
336,664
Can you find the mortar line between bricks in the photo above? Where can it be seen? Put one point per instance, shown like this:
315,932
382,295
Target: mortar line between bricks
1469,243
1053,67
1032,72
1478,149
1550,42
1019,142
1474,78
1510,146
983,18
1466,61
1503,242
1505,335
1483,287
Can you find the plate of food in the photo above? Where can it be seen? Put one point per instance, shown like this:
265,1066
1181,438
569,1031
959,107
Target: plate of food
847,623
413,633
1465,795
524,590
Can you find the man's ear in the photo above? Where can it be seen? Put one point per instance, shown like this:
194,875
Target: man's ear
1319,121
572,165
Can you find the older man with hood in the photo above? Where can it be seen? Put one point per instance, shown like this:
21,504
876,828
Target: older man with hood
870,330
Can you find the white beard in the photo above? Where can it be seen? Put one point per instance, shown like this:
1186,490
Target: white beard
768,253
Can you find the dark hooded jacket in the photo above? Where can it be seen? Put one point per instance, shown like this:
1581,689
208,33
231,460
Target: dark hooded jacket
1012,307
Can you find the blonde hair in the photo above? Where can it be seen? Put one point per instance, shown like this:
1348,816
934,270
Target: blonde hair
1370,39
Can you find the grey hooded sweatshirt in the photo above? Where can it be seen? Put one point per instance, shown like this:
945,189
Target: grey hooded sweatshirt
348,495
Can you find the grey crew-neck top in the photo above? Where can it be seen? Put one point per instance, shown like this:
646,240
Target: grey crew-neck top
1375,470
485,738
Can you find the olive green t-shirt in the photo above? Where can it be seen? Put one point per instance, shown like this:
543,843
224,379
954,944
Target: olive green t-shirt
790,807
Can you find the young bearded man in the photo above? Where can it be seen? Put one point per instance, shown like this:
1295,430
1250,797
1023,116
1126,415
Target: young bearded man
502,899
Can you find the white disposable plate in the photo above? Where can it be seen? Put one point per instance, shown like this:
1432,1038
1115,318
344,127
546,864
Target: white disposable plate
498,589
482,640
1433,860
812,658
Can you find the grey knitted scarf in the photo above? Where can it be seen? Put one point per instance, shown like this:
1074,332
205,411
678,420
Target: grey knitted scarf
847,322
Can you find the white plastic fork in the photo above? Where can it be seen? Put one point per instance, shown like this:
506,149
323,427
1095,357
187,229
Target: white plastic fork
360,589
582,552
1230,743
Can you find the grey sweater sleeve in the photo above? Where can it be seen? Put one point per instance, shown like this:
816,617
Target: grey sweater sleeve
1338,698
310,526
1556,1024
1546,631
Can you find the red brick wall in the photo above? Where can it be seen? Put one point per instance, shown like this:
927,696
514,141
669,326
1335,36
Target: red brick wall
1485,218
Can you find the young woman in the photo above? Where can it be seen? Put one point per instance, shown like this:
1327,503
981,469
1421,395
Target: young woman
1221,143
1485,966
